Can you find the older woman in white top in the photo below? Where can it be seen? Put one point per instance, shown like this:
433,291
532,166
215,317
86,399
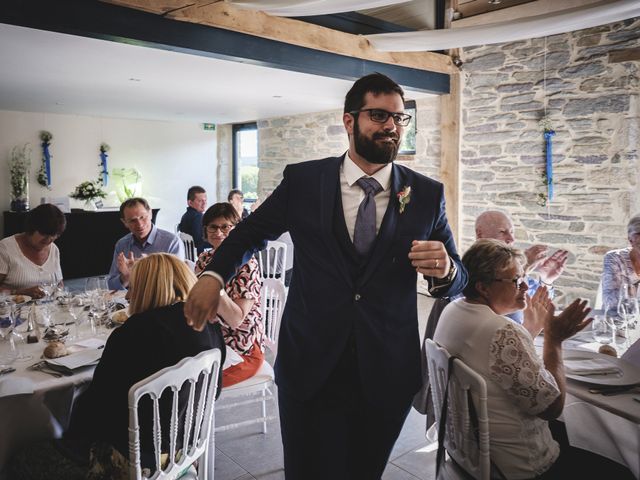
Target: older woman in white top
30,259
524,391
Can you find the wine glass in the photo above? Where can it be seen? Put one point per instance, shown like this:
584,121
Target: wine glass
99,308
48,286
628,307
8,352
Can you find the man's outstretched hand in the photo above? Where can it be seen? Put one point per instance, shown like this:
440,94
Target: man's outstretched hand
202,303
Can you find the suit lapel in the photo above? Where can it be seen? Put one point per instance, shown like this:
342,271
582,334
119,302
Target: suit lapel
387,231
329,186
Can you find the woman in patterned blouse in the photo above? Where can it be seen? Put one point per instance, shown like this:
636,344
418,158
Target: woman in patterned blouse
239,310
524,391
622,267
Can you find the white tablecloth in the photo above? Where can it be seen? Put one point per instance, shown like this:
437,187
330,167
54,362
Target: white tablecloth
606,425
44,413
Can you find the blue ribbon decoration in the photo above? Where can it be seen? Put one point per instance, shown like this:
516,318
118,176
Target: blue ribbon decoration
105,172
548,135
47,162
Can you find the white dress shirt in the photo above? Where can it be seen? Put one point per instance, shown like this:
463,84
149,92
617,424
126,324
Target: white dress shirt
353,194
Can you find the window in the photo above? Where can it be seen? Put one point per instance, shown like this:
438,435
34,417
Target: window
245,160
408,143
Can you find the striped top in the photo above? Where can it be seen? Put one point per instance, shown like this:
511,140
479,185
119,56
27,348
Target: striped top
23,273
616,272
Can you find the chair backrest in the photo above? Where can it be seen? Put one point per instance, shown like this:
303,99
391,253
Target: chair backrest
190,251
201,373
470,449
273,260
272,297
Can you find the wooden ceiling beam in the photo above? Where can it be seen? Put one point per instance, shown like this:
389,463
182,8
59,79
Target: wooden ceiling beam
220,14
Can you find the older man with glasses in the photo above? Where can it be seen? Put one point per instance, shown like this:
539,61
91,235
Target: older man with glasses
144,238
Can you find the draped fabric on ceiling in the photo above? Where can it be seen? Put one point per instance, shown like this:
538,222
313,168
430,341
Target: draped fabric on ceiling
520,29
300,8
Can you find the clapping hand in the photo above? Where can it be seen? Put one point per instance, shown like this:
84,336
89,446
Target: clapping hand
539,307
535,256
568,323
553,266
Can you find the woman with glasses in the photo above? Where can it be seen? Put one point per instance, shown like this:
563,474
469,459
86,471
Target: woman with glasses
31,259
524,391
239,310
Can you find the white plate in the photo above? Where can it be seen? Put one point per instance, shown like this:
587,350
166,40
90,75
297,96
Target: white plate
22,298
627,374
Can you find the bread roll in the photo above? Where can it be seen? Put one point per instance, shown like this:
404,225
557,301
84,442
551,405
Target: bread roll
608,350
55,350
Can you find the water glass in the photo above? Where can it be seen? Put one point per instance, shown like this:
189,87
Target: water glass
8,352
603,328
49,286
98,311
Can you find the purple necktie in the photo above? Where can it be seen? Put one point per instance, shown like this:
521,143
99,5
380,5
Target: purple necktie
364,233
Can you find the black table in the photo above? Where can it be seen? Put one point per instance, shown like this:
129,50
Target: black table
86,246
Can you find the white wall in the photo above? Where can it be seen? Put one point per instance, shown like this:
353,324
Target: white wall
171,156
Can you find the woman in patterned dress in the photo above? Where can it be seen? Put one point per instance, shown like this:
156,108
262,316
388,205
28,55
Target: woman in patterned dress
524,391
239,310
621,267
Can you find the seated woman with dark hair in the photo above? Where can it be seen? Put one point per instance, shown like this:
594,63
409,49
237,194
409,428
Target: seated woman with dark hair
155,336
30,259
239,310
524,391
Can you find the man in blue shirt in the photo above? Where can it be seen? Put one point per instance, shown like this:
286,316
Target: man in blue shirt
191,221
145,238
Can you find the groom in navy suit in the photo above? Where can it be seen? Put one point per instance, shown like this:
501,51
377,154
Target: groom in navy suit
363,227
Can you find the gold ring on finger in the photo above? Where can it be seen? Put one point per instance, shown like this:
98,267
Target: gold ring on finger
437,262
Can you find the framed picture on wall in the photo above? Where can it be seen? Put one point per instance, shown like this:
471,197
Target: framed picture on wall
408,143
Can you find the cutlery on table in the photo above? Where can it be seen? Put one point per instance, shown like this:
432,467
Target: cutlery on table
612,390
7,370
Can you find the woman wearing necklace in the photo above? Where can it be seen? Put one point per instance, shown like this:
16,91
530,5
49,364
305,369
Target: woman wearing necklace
30,259
622,267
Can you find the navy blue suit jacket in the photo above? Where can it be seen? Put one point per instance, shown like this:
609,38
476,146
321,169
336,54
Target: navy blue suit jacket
325,304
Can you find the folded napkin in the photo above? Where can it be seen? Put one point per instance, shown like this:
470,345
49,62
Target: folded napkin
81,359
595,366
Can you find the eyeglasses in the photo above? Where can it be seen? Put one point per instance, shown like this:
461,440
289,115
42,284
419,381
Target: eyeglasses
212,228
381,116
517,281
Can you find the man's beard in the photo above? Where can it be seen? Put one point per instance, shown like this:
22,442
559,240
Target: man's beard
372,151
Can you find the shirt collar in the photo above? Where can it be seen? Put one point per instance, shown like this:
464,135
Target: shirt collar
352,173
150,239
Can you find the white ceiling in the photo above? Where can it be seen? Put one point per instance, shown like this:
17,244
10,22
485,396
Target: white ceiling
58,73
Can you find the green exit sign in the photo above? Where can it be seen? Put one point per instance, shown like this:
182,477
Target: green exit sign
209,126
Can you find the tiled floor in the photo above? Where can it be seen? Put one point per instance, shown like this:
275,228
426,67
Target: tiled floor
246,453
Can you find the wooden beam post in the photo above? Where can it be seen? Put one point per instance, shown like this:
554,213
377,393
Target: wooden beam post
450,111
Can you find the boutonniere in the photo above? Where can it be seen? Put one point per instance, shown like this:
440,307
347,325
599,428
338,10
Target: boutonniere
404,197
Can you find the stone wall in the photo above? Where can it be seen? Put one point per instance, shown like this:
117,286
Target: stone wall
592,102
294,139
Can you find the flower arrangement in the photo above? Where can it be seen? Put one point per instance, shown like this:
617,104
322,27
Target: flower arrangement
44,174
88,191
404,197
19,165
